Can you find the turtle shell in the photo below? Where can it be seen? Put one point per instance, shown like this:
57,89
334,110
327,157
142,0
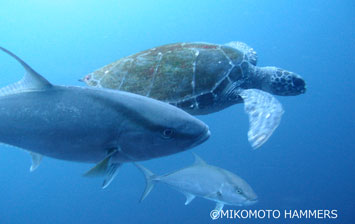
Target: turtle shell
189,75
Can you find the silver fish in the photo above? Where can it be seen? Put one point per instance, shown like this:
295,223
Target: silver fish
206,181
92,125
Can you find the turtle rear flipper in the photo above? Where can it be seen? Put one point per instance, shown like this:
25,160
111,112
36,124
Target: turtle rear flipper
265,113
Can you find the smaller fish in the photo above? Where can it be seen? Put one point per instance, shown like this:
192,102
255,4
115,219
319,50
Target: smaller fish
206,181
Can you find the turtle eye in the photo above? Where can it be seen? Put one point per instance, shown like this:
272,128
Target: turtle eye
168,133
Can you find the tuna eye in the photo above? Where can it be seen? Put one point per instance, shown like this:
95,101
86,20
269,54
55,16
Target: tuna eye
238,190
168,133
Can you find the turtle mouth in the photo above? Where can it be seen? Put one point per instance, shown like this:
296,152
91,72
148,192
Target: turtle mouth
299,84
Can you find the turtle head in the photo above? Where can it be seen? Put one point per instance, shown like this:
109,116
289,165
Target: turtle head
281,82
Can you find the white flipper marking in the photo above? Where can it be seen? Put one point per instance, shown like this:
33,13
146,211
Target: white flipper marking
265,113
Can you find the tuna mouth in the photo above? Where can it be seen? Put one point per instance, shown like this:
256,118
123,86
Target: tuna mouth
202,137
251,201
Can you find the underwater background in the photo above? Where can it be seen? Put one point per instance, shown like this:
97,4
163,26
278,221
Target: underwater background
308,163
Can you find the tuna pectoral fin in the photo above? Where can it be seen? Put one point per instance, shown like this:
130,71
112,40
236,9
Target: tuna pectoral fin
149,177
189,198
105,168
219,207
36,160
32,81
111,173
265,113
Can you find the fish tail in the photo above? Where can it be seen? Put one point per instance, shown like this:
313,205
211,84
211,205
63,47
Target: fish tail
150,178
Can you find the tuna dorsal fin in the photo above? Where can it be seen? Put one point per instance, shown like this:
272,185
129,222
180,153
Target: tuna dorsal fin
32,81
198,160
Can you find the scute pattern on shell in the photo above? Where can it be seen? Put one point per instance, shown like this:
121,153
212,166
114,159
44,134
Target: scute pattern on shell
176,72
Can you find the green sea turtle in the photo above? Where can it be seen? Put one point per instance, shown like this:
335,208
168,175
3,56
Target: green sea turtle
203,78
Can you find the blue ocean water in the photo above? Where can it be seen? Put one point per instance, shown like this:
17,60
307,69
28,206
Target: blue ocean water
308,163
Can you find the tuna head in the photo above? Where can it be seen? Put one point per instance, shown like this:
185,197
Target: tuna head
154,129
236,191
280,82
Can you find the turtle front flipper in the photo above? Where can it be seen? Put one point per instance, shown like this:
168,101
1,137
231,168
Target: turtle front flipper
265,113
248,51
